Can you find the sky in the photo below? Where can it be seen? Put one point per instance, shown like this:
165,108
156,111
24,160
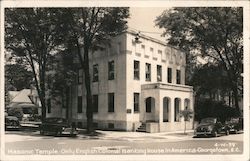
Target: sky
142,19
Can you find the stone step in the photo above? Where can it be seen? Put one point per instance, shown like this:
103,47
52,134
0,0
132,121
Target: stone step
142,128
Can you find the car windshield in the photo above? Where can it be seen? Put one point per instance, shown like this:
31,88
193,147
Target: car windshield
56,120
208,120
27,110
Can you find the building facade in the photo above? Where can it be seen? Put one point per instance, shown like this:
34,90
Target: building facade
137,83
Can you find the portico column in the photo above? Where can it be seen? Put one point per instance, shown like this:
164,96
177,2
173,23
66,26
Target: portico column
157,109
172,109
160,110
182,107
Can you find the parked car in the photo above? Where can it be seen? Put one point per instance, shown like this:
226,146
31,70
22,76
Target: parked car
12,123
212,127
235,125
57,126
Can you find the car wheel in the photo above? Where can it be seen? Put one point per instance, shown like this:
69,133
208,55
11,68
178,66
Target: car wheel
215,134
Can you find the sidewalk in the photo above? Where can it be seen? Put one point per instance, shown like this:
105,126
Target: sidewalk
138,136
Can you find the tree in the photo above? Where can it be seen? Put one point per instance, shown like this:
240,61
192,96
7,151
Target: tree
187,114
18,76
33,36
210,79
218,109
61,77
91,27
215,34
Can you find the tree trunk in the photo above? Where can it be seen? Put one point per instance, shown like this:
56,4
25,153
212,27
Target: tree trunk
67,102
85,66
89,111
185,128
236,99
43,100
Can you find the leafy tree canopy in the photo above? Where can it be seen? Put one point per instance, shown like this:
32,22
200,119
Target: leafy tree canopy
214,33
209,78
32,37
18,76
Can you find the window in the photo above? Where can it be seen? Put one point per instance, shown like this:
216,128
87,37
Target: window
136,70
169,75
79,104
49,105
111,126
177,110
79,124
80,76
152,49
159,52
95,124
178,77
148,104
111,72
95,103
148,72
136,102
159,73
95,73
111,102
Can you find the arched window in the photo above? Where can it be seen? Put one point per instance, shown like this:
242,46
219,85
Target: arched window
187,104
150,102
177,103
166,109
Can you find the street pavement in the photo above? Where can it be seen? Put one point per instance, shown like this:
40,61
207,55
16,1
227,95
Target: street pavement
117,142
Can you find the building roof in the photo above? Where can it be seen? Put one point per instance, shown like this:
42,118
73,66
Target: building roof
133,32
13,94
20,96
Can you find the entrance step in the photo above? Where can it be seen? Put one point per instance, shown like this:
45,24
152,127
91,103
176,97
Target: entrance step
142,128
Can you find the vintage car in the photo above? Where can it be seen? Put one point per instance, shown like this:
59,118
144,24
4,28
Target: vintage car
12,123
212,127
57,127
235,125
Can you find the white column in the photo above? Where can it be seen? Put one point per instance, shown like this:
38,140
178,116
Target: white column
160,109
157,109
172,109
182,107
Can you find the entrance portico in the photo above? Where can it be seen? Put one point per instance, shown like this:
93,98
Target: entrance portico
161,106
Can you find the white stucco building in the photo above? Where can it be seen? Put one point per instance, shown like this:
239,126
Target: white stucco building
135,85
